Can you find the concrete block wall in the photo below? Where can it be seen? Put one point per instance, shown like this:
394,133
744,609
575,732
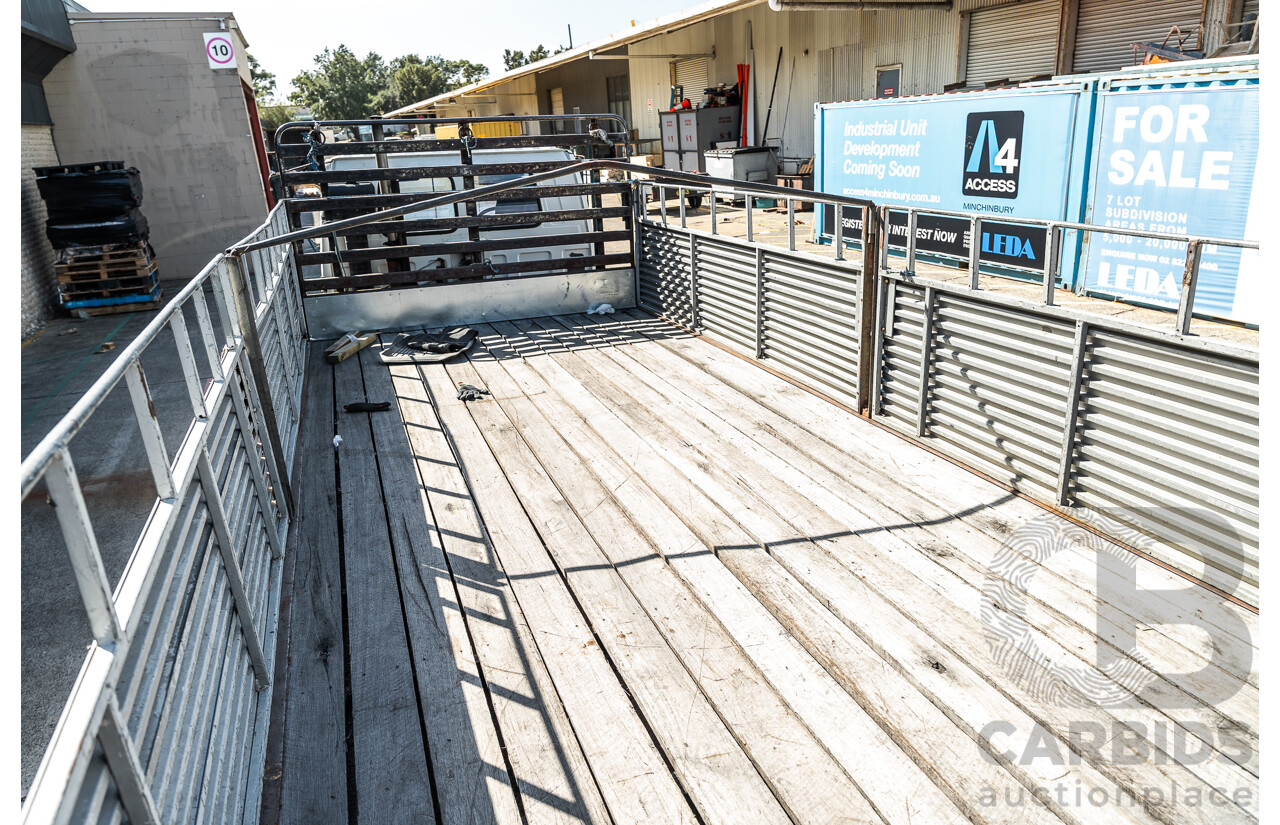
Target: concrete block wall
141,91
38,284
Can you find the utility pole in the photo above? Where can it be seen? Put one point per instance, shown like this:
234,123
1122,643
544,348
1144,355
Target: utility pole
570,27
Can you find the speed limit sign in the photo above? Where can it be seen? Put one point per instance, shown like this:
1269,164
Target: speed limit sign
220,50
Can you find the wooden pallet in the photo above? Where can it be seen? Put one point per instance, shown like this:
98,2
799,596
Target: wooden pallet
107,287
107,263
116,309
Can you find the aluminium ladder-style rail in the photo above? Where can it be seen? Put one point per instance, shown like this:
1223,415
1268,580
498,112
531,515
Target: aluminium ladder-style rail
141,712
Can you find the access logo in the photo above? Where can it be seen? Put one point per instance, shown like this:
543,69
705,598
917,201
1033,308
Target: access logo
992,148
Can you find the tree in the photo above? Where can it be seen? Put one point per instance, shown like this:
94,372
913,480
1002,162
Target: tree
463,73
412,78
516,59
342,86
272,116
264,82
513,60
409,79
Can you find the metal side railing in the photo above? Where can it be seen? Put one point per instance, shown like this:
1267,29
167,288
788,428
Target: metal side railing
1147,431
167,719
1107,419
806,314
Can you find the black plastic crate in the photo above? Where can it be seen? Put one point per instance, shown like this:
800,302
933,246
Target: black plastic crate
79,168
129,227
86,190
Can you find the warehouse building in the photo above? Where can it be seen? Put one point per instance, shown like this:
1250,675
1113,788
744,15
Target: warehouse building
141,89
841,51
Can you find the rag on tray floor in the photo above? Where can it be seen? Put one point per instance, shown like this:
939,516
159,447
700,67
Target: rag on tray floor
428,347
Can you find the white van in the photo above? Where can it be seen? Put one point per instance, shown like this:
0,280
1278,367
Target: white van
533,205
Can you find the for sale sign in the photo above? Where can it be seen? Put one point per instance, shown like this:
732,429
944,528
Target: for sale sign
1180,161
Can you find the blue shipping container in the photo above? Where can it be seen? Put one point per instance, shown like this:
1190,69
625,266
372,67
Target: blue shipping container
1006,153
1176,155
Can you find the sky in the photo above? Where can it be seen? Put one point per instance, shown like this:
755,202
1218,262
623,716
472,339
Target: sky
285,37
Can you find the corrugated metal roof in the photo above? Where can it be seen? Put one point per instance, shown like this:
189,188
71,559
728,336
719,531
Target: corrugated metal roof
661,25
47,21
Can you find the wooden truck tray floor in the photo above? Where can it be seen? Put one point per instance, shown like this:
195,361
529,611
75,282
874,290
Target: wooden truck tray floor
647,581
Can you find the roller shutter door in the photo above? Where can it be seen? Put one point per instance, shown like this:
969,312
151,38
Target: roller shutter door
1106,29
692,75
1015,41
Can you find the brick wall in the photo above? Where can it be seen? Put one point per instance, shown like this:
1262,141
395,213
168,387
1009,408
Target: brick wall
142,92
39,287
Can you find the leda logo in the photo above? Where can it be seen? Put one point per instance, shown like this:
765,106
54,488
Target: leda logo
992,148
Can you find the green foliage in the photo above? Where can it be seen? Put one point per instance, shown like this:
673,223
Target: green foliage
513,59
344,87
264,82
464,72
516,59
272,117
409,79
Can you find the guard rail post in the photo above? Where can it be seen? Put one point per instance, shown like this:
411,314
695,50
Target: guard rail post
1190,275
868,304
258,370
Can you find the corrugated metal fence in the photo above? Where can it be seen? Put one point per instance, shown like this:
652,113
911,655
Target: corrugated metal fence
1100,418
167,720
798,312
1081,412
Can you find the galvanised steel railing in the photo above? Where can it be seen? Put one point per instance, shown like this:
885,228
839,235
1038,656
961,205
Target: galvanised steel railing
806,313
1054,232
167,718
1105,419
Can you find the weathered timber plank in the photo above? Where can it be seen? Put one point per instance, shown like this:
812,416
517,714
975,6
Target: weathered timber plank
1069,615
314,765
392,782
959,490
808,782
958,624
466,754
551,772
896,786
495,541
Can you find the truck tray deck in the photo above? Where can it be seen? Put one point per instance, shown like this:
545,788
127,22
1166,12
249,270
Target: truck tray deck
647,581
